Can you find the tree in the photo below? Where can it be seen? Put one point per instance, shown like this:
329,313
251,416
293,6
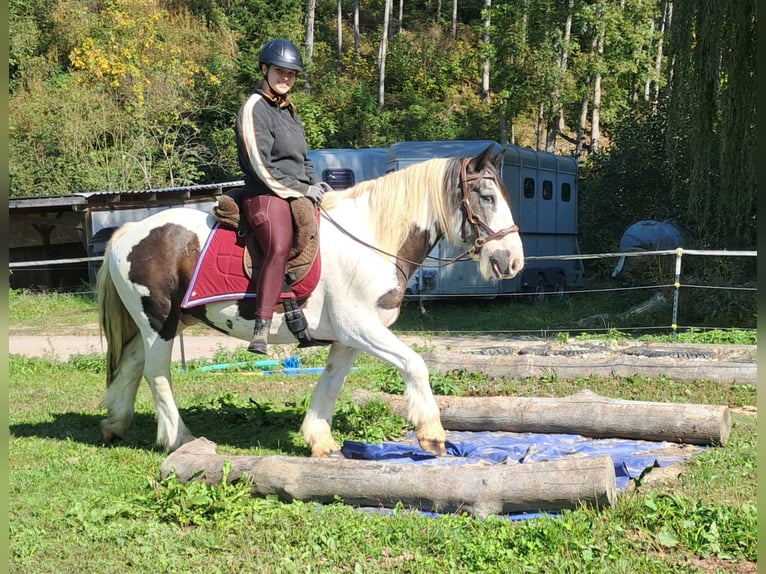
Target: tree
310,15
712,118
486,65
382,53
137,77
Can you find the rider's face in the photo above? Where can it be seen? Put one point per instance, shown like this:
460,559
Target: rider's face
280,79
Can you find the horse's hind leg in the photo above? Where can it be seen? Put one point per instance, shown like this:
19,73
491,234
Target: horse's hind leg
171,430
120,396
318,421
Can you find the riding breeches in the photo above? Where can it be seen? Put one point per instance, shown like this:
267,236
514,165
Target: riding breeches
271,222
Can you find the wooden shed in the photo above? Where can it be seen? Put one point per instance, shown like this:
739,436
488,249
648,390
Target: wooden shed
56,242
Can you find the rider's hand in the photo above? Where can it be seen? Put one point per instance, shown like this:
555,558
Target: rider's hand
315,193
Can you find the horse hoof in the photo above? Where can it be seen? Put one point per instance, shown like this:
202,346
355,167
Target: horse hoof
435,447
332,454
108,437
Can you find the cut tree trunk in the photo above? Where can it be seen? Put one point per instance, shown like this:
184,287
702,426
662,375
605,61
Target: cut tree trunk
477,489
605,364
585,413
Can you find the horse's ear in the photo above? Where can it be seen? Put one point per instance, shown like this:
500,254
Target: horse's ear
486,158
497,160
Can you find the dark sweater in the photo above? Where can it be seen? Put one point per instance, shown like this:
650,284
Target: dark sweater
272,148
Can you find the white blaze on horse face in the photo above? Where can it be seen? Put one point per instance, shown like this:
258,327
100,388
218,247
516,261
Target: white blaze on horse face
501,258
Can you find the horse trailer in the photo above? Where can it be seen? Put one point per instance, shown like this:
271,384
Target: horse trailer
543,193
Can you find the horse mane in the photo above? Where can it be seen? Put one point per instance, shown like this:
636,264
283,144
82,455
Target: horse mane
417,194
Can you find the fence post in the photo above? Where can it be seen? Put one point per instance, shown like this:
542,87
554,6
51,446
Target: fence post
183,351
677,286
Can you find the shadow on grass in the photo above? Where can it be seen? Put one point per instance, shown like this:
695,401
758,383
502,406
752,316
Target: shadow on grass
243,428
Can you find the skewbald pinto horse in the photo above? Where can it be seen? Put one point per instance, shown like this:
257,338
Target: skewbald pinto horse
373,237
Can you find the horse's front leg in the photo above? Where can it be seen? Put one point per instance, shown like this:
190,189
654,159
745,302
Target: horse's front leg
422,410
316,427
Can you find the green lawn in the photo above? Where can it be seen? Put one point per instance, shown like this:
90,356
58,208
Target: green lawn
76,505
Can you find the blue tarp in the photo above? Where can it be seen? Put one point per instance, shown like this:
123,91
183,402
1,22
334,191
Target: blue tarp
631,457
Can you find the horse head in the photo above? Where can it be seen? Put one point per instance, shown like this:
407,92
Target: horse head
487,219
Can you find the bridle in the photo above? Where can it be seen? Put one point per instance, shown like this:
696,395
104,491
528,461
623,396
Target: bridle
468,217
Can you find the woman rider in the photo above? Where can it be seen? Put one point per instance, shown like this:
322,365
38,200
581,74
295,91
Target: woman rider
272,152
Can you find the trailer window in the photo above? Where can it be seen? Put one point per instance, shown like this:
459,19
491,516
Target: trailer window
529,187
547,189
338,178
566,192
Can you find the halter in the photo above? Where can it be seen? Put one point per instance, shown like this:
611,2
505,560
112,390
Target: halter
470,217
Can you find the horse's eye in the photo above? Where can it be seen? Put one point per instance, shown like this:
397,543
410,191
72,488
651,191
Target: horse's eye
488,199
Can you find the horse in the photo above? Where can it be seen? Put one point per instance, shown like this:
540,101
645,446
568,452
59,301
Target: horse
374,235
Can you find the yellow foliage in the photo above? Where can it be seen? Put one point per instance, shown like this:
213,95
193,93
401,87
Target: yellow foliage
143,41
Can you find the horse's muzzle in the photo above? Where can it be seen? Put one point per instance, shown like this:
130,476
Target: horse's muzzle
504,266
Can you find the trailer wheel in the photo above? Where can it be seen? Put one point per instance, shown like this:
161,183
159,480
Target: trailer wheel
561,286
540,286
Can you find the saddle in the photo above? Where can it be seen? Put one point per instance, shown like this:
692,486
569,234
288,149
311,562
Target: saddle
300,259
305,242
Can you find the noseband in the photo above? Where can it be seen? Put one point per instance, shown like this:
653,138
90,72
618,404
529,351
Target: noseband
470,217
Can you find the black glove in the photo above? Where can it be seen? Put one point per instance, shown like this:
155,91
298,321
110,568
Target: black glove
315,193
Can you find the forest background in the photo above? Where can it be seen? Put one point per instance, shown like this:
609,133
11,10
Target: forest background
655,97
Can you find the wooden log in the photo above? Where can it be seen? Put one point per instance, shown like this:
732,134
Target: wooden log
585,413
480,490
607,364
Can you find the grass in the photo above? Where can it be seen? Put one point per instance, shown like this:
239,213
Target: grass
50,312
578,315
78,506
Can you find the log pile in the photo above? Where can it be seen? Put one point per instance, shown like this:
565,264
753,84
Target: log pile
480,489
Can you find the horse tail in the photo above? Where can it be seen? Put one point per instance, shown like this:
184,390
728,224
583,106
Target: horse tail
115,322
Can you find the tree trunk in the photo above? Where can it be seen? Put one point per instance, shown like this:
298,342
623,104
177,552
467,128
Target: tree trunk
340,31
310,15
454,18
585,413
539,126
503,126
581,125
479,490
382,53
485,67
557,124
356,29
649,80
595,127
666,16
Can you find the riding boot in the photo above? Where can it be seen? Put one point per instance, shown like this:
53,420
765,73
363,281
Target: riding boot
258,344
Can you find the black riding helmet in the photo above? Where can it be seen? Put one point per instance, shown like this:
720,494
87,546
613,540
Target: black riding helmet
281,52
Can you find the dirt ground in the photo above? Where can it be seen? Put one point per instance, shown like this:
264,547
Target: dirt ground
63,346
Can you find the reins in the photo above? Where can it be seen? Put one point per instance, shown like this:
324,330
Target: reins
468,216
